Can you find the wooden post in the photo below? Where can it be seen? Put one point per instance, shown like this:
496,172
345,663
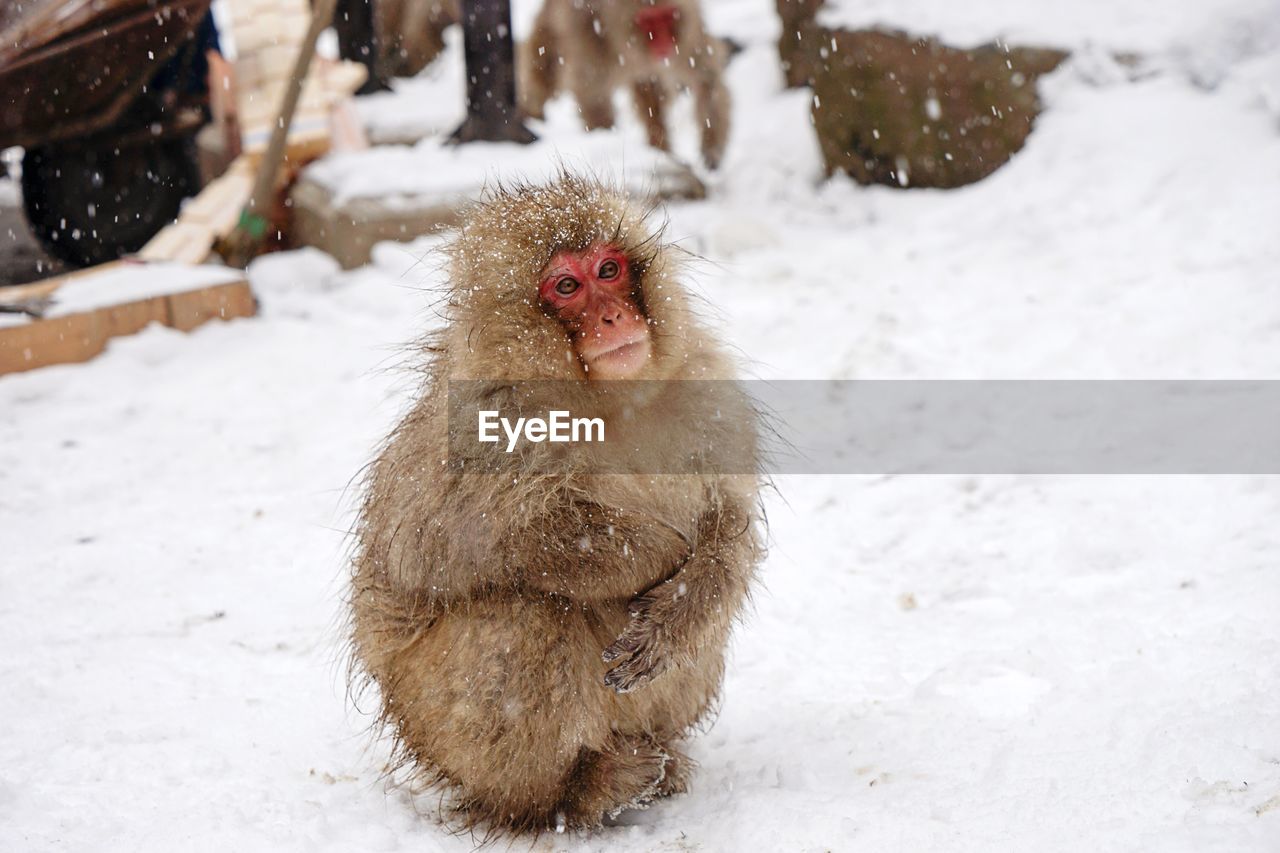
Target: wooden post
246,241
492,115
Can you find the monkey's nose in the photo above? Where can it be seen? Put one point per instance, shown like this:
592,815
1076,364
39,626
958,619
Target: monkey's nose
611,317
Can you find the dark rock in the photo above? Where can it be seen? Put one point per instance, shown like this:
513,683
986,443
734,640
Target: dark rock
895,109
798,45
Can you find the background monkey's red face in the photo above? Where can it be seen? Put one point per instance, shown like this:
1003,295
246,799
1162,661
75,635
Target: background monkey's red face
592,293
657,28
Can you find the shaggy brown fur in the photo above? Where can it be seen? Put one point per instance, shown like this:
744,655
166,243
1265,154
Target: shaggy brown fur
541,637
594,47
410,33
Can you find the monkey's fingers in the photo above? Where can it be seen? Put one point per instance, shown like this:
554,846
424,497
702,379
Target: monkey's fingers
627,644
639,650
638,608
636,672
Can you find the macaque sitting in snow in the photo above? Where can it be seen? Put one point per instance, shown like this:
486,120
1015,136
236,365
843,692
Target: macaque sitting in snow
542,636
594,47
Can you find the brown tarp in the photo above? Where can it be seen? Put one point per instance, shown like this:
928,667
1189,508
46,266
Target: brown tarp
68,67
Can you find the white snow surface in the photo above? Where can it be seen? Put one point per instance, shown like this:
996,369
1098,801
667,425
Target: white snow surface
944,663
434,171
1134,25
131,282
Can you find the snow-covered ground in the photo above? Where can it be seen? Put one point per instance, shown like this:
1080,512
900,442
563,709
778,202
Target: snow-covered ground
983,663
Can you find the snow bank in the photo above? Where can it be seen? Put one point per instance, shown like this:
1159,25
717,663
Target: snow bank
1135,25
133,282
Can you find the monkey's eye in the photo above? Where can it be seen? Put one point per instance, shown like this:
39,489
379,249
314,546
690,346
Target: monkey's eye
567,286
609,270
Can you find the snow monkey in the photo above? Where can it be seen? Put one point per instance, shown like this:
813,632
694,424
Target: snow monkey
593,47
410,33
543,634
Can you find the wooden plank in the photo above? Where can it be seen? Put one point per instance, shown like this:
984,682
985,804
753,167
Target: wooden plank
218,205
23,294
19,293
222,302
78,337
183,242
81,337
204,219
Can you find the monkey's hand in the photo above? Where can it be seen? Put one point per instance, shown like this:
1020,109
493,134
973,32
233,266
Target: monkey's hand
677,620
644,650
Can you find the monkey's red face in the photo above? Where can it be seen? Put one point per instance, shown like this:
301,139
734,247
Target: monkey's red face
657,28
592,294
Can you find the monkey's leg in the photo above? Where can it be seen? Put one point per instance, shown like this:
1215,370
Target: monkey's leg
539,64
678,771
504,700
629,772
594,95
711,98
650,100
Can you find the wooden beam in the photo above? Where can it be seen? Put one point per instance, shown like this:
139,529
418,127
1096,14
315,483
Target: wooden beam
80,337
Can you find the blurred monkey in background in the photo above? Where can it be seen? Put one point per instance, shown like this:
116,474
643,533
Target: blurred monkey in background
657,47
410,33
392,38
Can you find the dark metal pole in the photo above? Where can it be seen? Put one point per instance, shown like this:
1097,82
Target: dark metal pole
492,115
358,41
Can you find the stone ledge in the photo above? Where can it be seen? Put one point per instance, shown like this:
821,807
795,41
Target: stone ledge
346,204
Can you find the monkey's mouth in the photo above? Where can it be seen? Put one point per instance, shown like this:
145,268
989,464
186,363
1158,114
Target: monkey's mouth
620,362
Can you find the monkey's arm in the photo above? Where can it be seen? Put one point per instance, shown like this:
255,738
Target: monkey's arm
693,610
589,552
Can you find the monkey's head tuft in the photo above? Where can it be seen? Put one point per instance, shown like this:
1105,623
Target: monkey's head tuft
564,280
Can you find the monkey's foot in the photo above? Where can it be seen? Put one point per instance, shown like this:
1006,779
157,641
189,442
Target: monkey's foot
628,774
679,770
